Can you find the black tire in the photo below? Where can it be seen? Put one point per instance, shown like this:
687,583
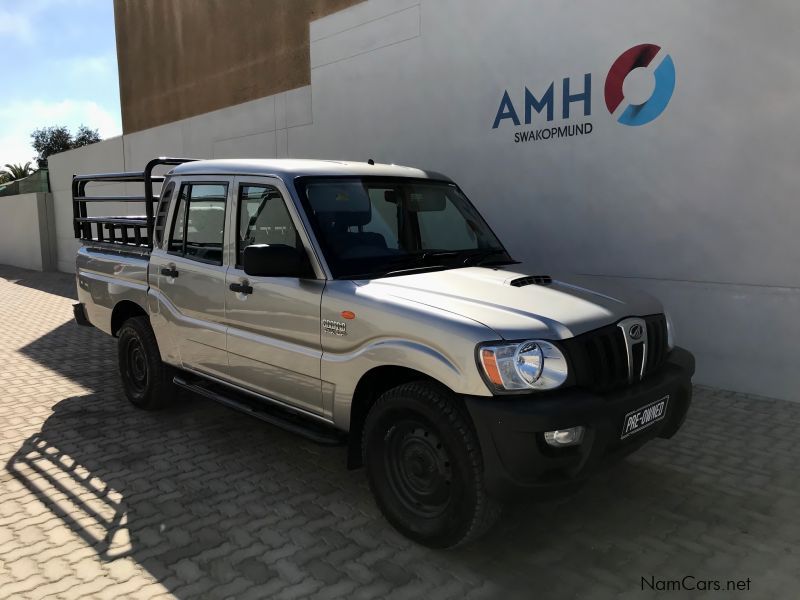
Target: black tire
424,466
146,380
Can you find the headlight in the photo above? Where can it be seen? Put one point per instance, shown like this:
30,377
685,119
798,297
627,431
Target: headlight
670,331
529,365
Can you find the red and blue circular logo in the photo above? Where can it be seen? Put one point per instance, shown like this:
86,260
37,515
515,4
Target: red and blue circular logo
663,73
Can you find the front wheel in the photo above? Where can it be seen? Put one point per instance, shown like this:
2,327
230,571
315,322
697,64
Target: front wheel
424,466
146,380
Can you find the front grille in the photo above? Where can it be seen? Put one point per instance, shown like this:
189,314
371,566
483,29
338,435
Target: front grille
656,342
599,362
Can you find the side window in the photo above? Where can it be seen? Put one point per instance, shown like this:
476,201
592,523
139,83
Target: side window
161,215
205,222
198,230
263,219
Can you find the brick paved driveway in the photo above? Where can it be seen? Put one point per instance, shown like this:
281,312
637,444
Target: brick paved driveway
98,499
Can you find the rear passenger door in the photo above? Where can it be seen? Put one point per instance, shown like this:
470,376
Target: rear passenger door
273,331
189,273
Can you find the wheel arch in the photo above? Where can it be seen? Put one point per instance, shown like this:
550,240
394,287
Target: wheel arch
372,384
123,311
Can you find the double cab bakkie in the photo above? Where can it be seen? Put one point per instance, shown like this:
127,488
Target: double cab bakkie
372,305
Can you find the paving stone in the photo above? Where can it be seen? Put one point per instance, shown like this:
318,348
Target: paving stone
122,570
304,589
188,570
343,589
323,572
392,573
23,568
256,571
56,568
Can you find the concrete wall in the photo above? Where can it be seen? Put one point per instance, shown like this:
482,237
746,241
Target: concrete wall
27,231
208,54
699,206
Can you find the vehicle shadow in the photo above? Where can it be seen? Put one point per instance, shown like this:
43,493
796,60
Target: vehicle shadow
207,500
84,355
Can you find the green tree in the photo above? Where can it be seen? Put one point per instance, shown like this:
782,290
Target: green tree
52,140
85,136
14,172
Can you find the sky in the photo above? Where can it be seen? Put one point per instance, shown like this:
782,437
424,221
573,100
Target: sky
59,68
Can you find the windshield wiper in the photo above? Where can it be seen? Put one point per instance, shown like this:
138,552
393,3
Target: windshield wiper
413,270
415,263
438,254
480,258
378,273
470,257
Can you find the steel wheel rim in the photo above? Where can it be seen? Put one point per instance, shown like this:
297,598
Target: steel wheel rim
418,468
136,369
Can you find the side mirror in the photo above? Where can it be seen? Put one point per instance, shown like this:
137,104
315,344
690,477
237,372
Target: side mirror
276,260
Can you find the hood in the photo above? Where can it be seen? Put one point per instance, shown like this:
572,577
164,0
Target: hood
557,309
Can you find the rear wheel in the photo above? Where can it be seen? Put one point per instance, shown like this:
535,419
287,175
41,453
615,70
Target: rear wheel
424,466
146,380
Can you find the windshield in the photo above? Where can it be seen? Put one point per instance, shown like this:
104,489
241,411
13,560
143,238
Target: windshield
371,227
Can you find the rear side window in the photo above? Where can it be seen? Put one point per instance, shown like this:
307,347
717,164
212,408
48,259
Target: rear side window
198,230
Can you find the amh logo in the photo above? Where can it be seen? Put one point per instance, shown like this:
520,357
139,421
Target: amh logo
546,103
632,114
664,74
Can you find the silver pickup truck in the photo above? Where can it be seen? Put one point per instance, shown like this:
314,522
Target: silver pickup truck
371,305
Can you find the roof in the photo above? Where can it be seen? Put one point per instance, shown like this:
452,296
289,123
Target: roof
291,167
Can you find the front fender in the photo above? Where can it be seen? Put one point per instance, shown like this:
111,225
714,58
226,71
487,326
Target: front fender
345,370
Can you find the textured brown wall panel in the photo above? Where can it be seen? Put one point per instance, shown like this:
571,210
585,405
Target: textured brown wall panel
179,58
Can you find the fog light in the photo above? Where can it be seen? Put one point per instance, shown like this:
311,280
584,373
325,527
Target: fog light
564,437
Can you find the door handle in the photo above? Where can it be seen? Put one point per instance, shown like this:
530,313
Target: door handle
241,288
169,272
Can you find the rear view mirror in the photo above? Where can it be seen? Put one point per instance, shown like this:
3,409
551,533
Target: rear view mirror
276,260
338,197
427,200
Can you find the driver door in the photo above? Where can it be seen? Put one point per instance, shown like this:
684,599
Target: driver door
274,326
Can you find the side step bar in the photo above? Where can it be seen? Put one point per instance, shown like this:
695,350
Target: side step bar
274,415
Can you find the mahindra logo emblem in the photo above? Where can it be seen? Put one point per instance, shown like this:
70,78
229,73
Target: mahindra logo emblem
635,336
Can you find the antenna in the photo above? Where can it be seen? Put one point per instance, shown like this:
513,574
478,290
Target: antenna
370,162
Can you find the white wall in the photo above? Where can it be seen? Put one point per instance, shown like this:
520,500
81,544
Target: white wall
27,231
698,206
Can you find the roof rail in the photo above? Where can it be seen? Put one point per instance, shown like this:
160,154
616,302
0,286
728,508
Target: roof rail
133,230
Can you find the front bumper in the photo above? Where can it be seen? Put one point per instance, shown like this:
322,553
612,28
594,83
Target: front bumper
510,429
